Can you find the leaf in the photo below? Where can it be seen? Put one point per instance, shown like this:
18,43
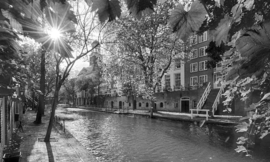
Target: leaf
242,127
106,10
43,4
221,33
266,97
137,6
258,18
265,133
5,5
186,22
252,107
237,12
229,110
249,4
254,47
241,140
219,3
240,149
89,2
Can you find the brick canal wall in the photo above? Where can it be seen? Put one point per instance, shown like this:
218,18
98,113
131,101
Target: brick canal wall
176,101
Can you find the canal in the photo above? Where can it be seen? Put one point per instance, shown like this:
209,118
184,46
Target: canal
128,138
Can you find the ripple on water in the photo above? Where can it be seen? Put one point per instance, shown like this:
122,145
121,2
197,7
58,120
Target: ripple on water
119,138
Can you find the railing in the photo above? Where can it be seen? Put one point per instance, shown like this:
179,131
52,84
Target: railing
195,112
204,96
217,100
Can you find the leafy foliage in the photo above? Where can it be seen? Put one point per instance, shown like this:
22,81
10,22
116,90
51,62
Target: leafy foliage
88,78
145,44
186,22
257,125
111,9
107,10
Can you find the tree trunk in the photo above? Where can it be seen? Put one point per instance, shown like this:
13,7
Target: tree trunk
153,109
74,100
54,105
33,101
41,104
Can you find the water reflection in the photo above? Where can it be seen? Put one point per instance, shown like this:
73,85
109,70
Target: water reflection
112,137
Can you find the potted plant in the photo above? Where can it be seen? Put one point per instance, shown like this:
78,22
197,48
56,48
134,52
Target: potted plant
11,152
12,157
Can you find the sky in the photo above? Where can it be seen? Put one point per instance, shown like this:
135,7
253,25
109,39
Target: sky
78,67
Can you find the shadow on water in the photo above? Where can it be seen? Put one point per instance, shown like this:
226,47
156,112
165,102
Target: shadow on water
50,152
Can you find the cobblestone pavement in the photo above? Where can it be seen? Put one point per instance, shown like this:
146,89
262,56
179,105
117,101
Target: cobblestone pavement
62,148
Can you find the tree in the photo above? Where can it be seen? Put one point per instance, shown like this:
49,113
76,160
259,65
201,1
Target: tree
31,52
70,90
240,28
25,17
147,44
87,27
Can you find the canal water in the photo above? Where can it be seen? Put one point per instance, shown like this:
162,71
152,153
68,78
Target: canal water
128,138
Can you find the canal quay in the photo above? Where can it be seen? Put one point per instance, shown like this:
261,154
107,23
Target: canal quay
135,137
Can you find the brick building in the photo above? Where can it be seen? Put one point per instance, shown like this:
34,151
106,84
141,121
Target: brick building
196,72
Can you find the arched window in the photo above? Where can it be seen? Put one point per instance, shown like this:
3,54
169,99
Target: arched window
129,104
146,104
161,104
140,104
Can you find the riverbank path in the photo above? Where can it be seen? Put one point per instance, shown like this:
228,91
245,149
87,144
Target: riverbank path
62,148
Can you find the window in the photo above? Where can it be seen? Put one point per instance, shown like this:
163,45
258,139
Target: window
176,105
193,80
16,109
194,104
194,67
167,81
140,104
202,51
200,38
194,54
217,79
203,79
147,104
177,79
129,104
203,37
177,63
193,39
161,104
202,66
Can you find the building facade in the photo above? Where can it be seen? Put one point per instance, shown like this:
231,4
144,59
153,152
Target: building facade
196,71
174,78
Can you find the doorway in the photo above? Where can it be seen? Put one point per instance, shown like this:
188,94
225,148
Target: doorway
111,104
185,105
120,104
134,104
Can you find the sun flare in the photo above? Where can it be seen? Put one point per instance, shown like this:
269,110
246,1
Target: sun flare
54,33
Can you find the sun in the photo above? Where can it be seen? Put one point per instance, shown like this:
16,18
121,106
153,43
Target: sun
54,33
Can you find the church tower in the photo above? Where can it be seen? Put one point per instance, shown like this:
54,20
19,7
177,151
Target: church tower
95,56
